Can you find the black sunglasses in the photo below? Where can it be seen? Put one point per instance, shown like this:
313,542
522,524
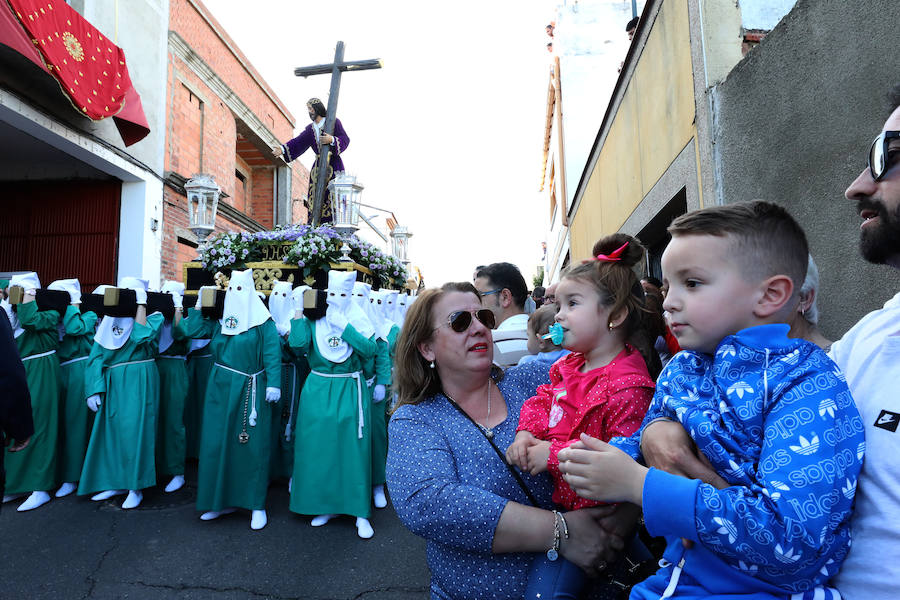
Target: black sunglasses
878,153
460,320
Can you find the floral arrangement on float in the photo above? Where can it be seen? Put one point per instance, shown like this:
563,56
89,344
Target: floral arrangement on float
308,251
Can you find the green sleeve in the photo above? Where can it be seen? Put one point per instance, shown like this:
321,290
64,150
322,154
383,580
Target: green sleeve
194,326
149,333
301,335
393,334
382,363
94,381
31,319
363,346
271,353
78,323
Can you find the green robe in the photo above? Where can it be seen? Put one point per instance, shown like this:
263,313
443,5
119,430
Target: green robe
77,420
199,366
234,473
121,451
34,468
294,370
332,462
379,412
173,390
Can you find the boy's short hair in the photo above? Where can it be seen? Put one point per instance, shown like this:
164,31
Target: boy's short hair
767,239
540,320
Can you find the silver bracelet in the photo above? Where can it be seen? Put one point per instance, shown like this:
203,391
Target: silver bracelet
553,552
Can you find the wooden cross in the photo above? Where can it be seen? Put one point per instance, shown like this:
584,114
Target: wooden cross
335,68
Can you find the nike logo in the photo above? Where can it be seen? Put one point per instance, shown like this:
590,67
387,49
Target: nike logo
888,420
885,419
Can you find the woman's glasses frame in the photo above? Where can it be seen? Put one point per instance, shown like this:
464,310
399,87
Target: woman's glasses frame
460,320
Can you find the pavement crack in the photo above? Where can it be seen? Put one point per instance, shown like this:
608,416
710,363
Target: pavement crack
391,589
91,577
181,587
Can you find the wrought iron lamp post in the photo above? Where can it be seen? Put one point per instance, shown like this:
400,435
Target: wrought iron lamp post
344,192
203,200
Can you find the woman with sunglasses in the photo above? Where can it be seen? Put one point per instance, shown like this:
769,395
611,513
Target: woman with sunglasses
449,482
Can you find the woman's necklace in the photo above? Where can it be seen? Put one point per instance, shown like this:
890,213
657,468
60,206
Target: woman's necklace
488,431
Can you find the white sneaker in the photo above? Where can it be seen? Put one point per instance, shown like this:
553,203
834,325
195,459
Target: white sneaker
34,500
133,500
107,495
215,514
378,496
258,519
320,520
175,484
364,528
65,489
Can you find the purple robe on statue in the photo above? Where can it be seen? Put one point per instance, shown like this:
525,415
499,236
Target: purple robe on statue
306,140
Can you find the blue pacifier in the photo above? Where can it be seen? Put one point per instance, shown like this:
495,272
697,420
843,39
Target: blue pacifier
556,334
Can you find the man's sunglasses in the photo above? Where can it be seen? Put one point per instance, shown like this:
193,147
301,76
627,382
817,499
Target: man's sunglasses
460,320
878,154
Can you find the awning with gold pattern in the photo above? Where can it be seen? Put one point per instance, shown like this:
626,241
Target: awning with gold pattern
90,69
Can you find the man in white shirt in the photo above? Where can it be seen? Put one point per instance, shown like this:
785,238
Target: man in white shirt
503,291
869,356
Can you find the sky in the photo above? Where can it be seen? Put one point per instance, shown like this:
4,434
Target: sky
448,135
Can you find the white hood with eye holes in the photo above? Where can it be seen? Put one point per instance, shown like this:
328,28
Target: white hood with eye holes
339,298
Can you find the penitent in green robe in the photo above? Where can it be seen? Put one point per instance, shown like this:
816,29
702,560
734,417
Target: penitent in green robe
333,444
382,369
121,452
294,369
173,390
34,468
235,473
76,419
199,365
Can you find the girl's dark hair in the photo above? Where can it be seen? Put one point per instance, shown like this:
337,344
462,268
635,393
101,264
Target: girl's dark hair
620,289
414,379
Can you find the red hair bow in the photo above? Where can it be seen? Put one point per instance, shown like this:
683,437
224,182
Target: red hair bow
614,256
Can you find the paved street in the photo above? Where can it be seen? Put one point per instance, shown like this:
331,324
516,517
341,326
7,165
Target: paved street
74,548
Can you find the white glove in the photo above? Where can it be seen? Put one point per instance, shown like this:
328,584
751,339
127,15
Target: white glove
140,295
197,303
283,329
74,296
273,394
378,393
340,320
297,297
94,402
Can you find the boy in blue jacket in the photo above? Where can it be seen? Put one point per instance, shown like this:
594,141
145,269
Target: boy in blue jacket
772,415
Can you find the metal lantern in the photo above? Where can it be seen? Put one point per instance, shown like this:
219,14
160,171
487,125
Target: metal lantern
203,200
400,243
344,193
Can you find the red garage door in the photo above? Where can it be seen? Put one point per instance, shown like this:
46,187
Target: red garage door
61,229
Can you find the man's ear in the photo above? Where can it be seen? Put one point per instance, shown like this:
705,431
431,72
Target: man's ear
775,293
506,298
426,350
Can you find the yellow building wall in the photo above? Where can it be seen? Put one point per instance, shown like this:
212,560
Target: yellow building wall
654,122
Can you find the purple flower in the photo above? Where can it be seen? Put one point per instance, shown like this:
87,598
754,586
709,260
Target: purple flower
231,258
213,251
301,264
396,273
314,250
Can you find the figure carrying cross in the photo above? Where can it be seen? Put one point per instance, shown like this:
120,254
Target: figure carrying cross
331,137
314,136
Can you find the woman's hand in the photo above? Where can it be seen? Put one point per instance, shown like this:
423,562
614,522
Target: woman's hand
517,453
590,545
667,447
602,472
538,455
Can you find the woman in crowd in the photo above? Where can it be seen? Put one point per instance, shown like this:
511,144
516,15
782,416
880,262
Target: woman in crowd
448,482
806,318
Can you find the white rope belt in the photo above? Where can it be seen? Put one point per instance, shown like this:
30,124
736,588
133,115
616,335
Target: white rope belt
42,354
370,382
359,397
74,360
175,356
252,419
290,400
131,362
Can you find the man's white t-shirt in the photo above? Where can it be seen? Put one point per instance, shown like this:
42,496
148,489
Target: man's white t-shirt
516,348
869,356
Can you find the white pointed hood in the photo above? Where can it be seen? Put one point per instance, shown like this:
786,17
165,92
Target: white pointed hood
72,286
27,281
376,315
113,332
173,288
339,296
281,306
243,308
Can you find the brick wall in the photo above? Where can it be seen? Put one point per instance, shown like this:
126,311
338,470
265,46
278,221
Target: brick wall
201,132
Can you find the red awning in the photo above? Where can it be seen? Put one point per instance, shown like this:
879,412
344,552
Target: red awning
89,68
